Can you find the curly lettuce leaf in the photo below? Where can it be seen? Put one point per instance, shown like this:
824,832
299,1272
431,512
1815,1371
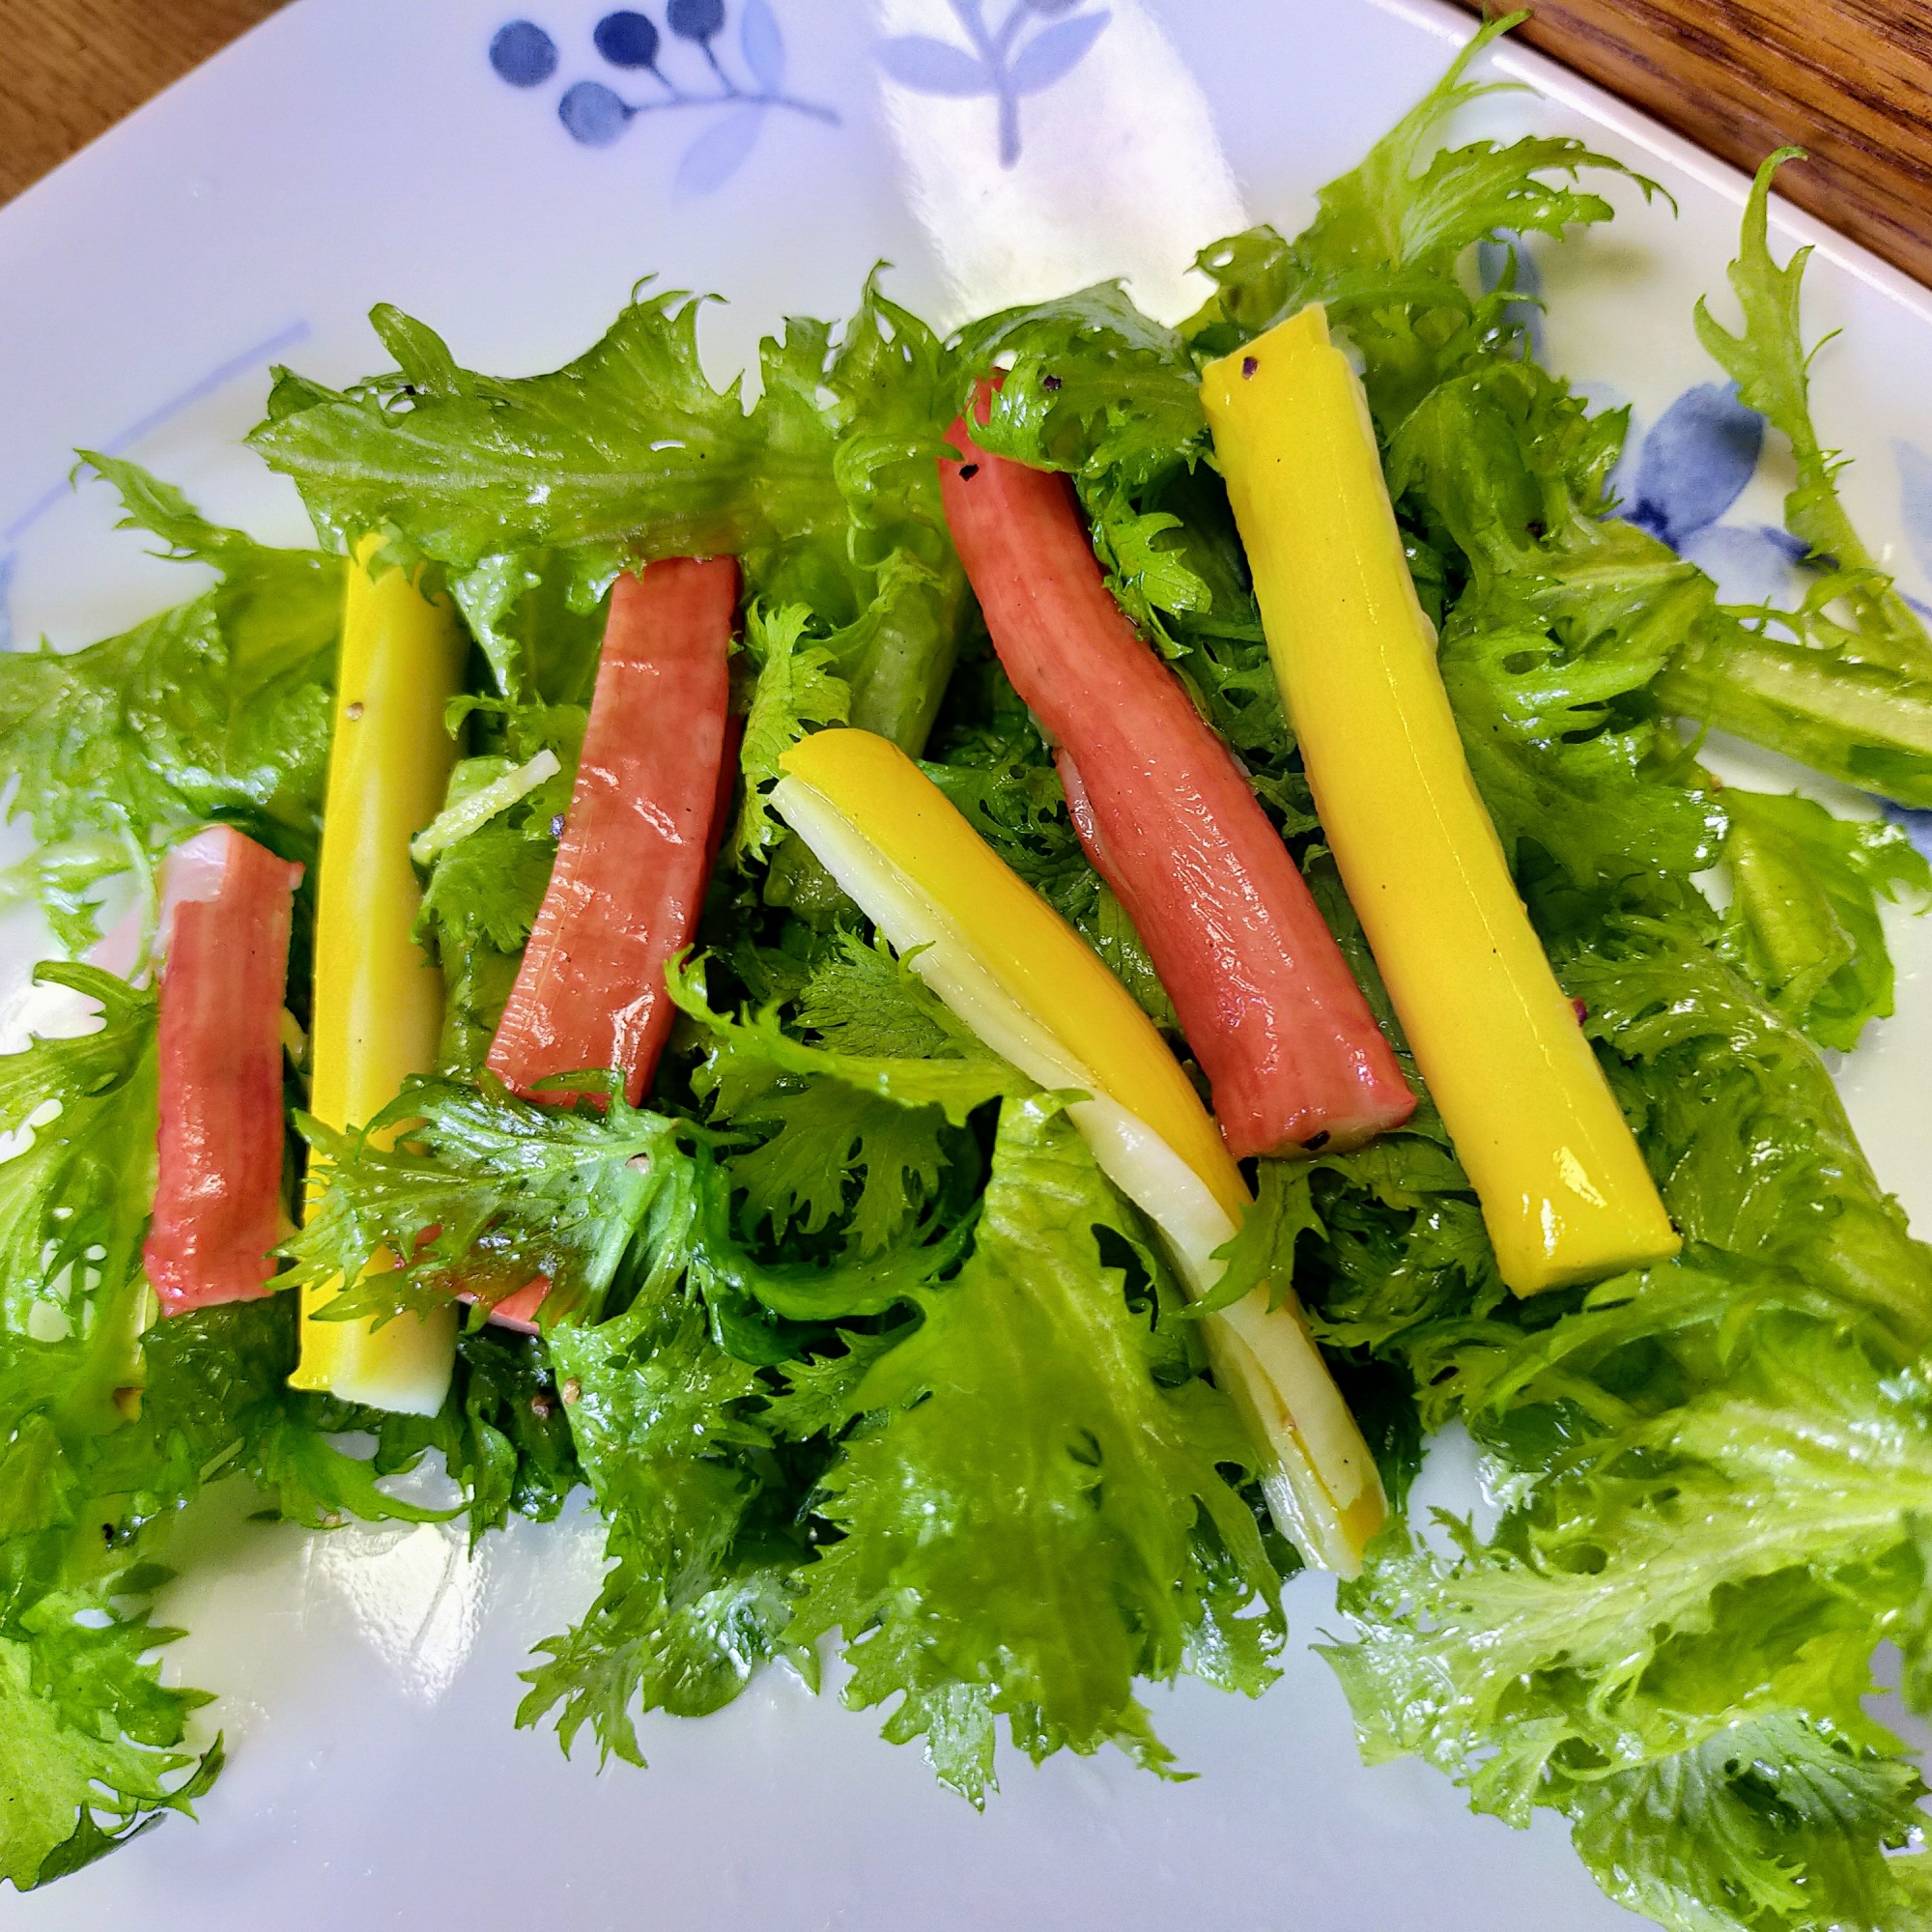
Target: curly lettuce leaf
75,1200
218,708
702,1533
1670,1644
1383,249
1843,683
92,1740
1771,366
863,1000
1033,1520
488,1193
626,453
795,689
839,1135
1804,921
530,494
1742,1126
1090,386
1563,622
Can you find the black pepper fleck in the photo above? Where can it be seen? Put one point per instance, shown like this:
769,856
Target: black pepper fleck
1249,365
556,826
1049,382
1316,1142
966,471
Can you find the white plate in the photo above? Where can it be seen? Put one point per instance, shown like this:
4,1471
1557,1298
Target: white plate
350,151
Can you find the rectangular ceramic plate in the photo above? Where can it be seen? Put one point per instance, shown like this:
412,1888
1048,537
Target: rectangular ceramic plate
350,151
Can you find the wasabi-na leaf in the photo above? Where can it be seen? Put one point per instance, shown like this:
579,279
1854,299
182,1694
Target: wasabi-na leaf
1843,683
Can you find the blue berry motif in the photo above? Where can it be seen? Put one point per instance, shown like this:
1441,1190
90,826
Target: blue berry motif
1003,64
700,20
524,54
628,40
594,113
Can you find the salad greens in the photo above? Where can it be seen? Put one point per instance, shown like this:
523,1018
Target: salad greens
216,709
846,1331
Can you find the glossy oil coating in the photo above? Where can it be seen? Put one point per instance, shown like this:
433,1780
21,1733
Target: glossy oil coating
220,1177
1036,960
1034,991
635,853
1263,994
378,995
1563,1186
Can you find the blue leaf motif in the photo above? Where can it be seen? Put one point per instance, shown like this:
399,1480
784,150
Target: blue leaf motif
934,67
718,153
1696,462
1750,564
1915,825
1914,487
1053,52
763,46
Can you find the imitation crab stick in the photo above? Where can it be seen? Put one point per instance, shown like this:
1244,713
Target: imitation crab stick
637,846
1563,1187
225,912
1031,987
378,995
1262,992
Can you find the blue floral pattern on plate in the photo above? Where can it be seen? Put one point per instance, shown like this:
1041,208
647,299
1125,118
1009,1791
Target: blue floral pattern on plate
1692,465
1003,64
1508,253
1915,491
594,113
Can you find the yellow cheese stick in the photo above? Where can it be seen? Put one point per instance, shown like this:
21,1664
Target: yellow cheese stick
1564,1189
1033,990
378,996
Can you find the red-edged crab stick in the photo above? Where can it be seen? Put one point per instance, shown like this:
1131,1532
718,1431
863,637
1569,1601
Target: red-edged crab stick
637,846
225,915
1267,1002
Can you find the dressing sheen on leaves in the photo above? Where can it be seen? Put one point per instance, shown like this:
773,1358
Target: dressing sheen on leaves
841,1327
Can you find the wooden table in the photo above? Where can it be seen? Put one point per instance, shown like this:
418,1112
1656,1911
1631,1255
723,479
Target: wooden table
70,68
1850,80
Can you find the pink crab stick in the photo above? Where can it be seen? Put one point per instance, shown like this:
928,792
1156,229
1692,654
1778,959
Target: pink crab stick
645,821
1267,1002
225,913
636,852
